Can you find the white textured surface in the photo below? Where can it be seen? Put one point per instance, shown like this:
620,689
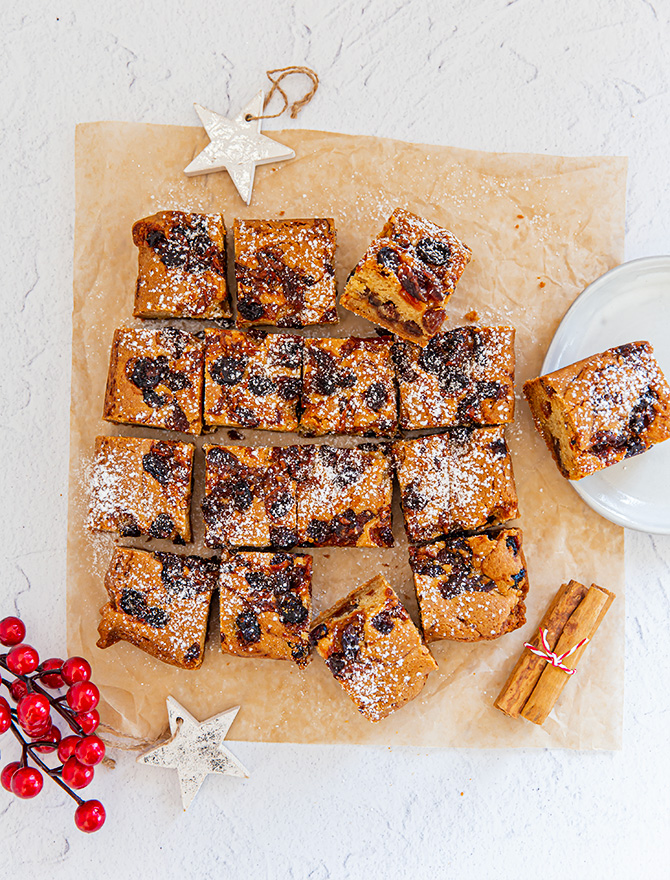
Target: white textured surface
556,77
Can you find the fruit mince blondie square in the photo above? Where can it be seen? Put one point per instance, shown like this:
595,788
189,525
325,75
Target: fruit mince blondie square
155,379
602,409
285,272
181,266
462,377
265,602
406,276
252,380
471,588
142,487
373,649
349,387
159,602
344,496
460,480
250,497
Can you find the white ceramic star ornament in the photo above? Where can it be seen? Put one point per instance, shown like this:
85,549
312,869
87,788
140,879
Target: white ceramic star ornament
195,749
237,146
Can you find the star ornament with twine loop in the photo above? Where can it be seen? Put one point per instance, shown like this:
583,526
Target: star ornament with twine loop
237,145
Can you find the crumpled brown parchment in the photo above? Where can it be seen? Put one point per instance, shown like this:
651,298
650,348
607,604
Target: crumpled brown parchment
541,228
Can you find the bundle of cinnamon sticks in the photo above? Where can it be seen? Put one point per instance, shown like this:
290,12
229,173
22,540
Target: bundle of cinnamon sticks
568,626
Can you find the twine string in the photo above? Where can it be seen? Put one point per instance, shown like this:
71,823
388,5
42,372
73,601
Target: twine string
130,744
556,660
276,77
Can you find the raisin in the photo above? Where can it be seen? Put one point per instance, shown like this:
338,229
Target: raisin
235,435
325,382
433,319
291,611
133,602
498,448
247,627
246,417
281,505
282,537
240,493
158,466
261,386
156,238
376,396
220,457
318,633
193,653
287,388
382,536
429,250
388,258
351,638
172,572
512,543
250,309
624,350
257,580
128,526
289,352
298,653
383,622
643,413
388,310
346,527
176,420
147,372
413,500
281,559
519,576
318,531
346,379
491,390
162,526
154,400
156,617
281,582
336,663
634,447
412,328
174,340
228,370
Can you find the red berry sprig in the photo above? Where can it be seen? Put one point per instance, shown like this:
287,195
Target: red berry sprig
32,723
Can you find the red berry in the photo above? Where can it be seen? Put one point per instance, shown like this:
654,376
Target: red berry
22,660
5,715
12,631
7,773
89,816
53,735
90,750
75,774
66,747
88,721
83,696
53,680
76,669
18,689
27,782
34,712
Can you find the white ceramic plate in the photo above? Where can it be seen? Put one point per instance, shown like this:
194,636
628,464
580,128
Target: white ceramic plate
630,302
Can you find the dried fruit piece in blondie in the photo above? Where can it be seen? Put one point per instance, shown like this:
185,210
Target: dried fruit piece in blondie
182,266
471,589
265,602
250,497
155,379
142,487
406,276
461,480
373,649
602,409
344,496
462,377
252,380
285,272
349,387
160,603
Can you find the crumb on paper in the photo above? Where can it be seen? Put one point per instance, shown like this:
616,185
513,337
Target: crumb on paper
472,315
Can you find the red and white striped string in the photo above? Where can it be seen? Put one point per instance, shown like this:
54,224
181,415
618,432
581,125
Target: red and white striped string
547,654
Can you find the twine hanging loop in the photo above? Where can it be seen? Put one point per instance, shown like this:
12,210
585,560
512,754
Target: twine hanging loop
276,77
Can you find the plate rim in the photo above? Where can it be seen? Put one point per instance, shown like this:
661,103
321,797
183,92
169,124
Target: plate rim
601,509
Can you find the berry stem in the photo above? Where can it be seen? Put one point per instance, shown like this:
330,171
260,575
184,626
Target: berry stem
52,772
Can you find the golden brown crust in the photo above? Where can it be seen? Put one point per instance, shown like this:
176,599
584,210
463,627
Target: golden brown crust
461,480
142,487
471,589
349,387
252,380
155,379
159,602
373,649
602,409
285,272
265,602
344,496
181,266
406,276
463,377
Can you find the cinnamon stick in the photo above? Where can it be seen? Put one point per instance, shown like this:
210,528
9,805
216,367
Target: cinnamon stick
525,675
582,624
